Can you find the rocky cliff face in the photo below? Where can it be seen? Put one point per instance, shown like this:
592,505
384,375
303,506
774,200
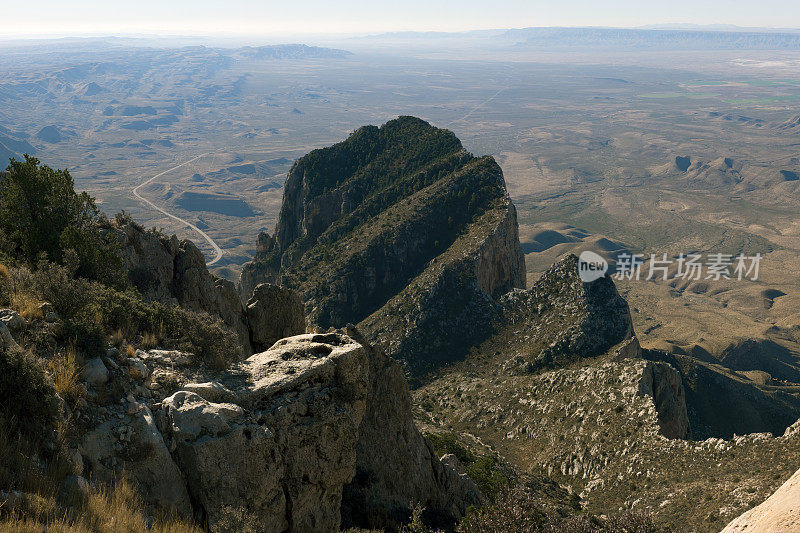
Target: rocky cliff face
314,432
277,455
169,270
369,225
174,271
663,383
561,319
389,444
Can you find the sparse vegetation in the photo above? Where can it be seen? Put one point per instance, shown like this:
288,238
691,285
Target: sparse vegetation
116,508
91,312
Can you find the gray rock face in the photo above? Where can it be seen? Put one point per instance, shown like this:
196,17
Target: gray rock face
256,272
173,271
500,262
13,320
144,456
278,461
395,465
274,313
663,383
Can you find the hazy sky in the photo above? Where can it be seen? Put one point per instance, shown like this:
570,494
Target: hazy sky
335,16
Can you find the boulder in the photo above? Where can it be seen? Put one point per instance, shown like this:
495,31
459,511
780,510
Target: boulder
273,313
145,458
279,459
190,416
172,358
137,369
313,434
213,391
95,372
13,320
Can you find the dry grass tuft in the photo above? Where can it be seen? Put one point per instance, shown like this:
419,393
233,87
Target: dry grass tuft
65,369
116,509
130,351
27,305
149,341
117,338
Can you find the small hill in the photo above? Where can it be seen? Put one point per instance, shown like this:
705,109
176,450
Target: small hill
92,89
224,204
51,134
793,124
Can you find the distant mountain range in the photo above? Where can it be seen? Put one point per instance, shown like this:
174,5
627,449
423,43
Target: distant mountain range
654,38
663,36
289,51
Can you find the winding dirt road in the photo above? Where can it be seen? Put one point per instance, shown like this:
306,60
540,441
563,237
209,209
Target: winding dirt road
217,250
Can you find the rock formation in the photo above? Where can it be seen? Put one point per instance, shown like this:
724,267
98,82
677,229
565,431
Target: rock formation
401,230
171,270
174,271
278,458
663,384
273,313
561,319
144,456
395,465
312,432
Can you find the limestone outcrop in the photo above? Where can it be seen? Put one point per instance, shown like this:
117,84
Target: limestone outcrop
169,270
274,313
174,271
662,382
395,465
312,432
133,444
259,270
278,461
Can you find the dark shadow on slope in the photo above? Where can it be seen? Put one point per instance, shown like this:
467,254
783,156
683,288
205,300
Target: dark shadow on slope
722,403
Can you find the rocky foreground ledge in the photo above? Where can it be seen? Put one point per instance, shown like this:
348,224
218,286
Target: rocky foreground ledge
313,434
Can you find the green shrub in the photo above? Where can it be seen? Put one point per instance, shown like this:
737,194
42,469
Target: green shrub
445,443
490,476
92,312
28,400
41,215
